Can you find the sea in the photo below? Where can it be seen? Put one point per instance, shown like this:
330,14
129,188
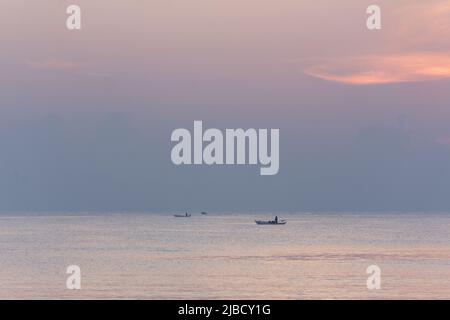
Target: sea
225,255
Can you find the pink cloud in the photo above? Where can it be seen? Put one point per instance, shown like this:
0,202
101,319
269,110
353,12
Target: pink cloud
384,69
415,49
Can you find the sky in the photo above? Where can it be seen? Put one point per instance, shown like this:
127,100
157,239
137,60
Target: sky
86,116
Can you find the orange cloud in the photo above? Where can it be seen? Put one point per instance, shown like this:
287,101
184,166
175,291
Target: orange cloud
384,69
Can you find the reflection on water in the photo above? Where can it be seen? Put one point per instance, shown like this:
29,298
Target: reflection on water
225,256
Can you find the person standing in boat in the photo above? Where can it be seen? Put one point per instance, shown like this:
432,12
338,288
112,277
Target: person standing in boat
276,219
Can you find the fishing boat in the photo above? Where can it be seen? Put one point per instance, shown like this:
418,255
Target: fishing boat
187,215
271,222
204,213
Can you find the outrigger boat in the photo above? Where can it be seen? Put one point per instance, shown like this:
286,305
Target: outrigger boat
271,222
187,215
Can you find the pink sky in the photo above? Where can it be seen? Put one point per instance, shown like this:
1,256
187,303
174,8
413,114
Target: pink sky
204,52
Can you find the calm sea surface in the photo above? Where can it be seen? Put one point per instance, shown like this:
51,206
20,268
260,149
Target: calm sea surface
224,256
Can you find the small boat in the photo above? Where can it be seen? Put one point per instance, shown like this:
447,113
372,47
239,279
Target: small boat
182,215
271,222
204,213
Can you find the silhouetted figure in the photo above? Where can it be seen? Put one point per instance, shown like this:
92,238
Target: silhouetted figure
186,214
276,219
